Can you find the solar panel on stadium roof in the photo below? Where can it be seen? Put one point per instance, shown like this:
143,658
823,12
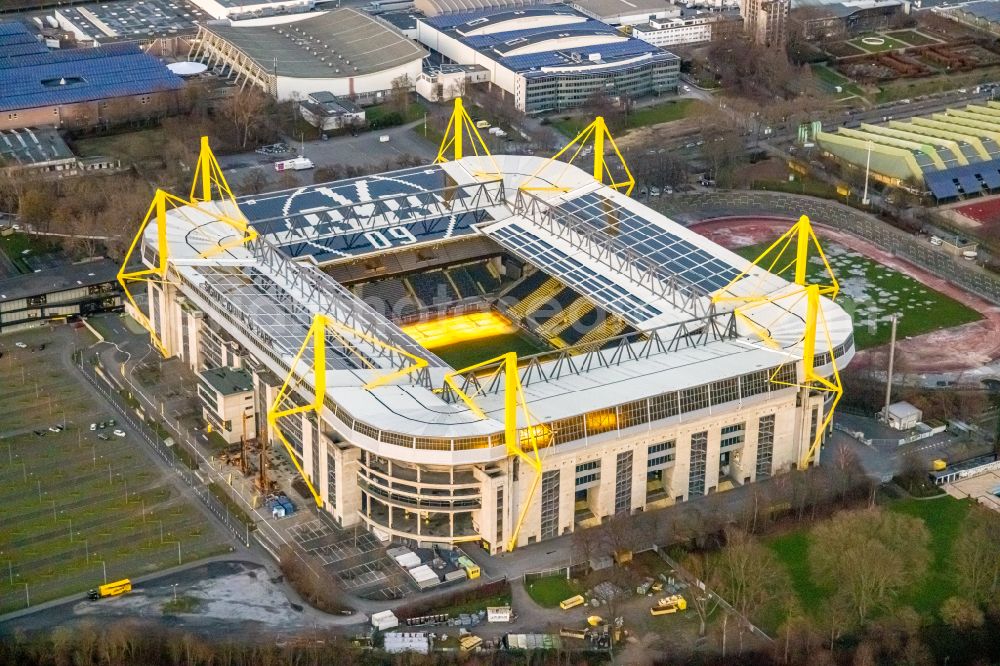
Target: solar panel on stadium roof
969,183
676,255
595,286
990,175
941,185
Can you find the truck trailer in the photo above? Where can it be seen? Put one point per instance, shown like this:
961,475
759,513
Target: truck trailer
111,589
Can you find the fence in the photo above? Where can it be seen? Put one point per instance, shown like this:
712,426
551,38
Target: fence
698,206
148,435
753,629
569,571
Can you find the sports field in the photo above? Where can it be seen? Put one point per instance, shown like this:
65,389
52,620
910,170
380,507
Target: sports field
871,292
467,339
75,504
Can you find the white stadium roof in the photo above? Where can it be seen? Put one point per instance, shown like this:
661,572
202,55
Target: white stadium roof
624,257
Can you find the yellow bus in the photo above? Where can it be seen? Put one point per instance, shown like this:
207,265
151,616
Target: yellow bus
111,589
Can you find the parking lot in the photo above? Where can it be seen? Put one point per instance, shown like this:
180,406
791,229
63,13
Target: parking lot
80,505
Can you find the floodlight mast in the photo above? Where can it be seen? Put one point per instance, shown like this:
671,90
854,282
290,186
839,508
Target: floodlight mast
214,190
597,132
754,296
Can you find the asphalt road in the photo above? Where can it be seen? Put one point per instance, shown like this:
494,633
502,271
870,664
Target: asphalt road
364,150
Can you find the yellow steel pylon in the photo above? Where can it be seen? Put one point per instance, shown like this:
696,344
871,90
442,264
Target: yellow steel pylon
805,238
599,133
754,298
515,439
322,326
453,143
209,176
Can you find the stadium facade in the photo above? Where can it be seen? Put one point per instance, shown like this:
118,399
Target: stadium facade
550,58
651,390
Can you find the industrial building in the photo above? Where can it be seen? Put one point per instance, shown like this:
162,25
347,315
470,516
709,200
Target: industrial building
98,23
691,27
766,21
42,151
79,87
984,15
953,154
550,58
851,17
329,112
246,9
342,301
342,51
626,12
32,299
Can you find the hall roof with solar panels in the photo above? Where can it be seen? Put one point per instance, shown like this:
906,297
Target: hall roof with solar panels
532,38
612,252
36,77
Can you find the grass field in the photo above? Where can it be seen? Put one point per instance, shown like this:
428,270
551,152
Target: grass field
889,45
75,504
912,37
463,354
833,78
547,592
871,292
943,517
645,116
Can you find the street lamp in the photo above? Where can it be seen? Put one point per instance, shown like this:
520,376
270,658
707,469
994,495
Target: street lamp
868,164
104,567
174,585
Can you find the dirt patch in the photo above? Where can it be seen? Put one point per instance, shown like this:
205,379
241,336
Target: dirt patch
954,349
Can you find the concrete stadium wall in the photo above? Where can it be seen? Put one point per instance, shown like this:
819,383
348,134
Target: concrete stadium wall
695,207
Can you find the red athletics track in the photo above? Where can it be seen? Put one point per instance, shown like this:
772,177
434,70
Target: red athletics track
963,347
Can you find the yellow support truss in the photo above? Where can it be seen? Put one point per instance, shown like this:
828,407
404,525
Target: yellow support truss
515,439
802,234
804,238
208,175
322,326
598,133
461,133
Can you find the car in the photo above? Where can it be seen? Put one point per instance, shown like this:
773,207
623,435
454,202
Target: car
111,423
40,433
93,426
55,428
119,433
20,345
101,435
102,425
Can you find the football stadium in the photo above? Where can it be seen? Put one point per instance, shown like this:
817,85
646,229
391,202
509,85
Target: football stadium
495,348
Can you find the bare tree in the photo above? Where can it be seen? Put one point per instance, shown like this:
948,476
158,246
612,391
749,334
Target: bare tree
399,94
749,576
696,569
976,556
866,557
245,110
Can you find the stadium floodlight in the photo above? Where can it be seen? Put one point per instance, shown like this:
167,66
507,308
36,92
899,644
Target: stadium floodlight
755,297
533,436
453,143
223,209
316,339
598,133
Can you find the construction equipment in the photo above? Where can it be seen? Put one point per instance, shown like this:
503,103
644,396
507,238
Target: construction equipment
939,464
595,620
572,602
667,605
111,589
